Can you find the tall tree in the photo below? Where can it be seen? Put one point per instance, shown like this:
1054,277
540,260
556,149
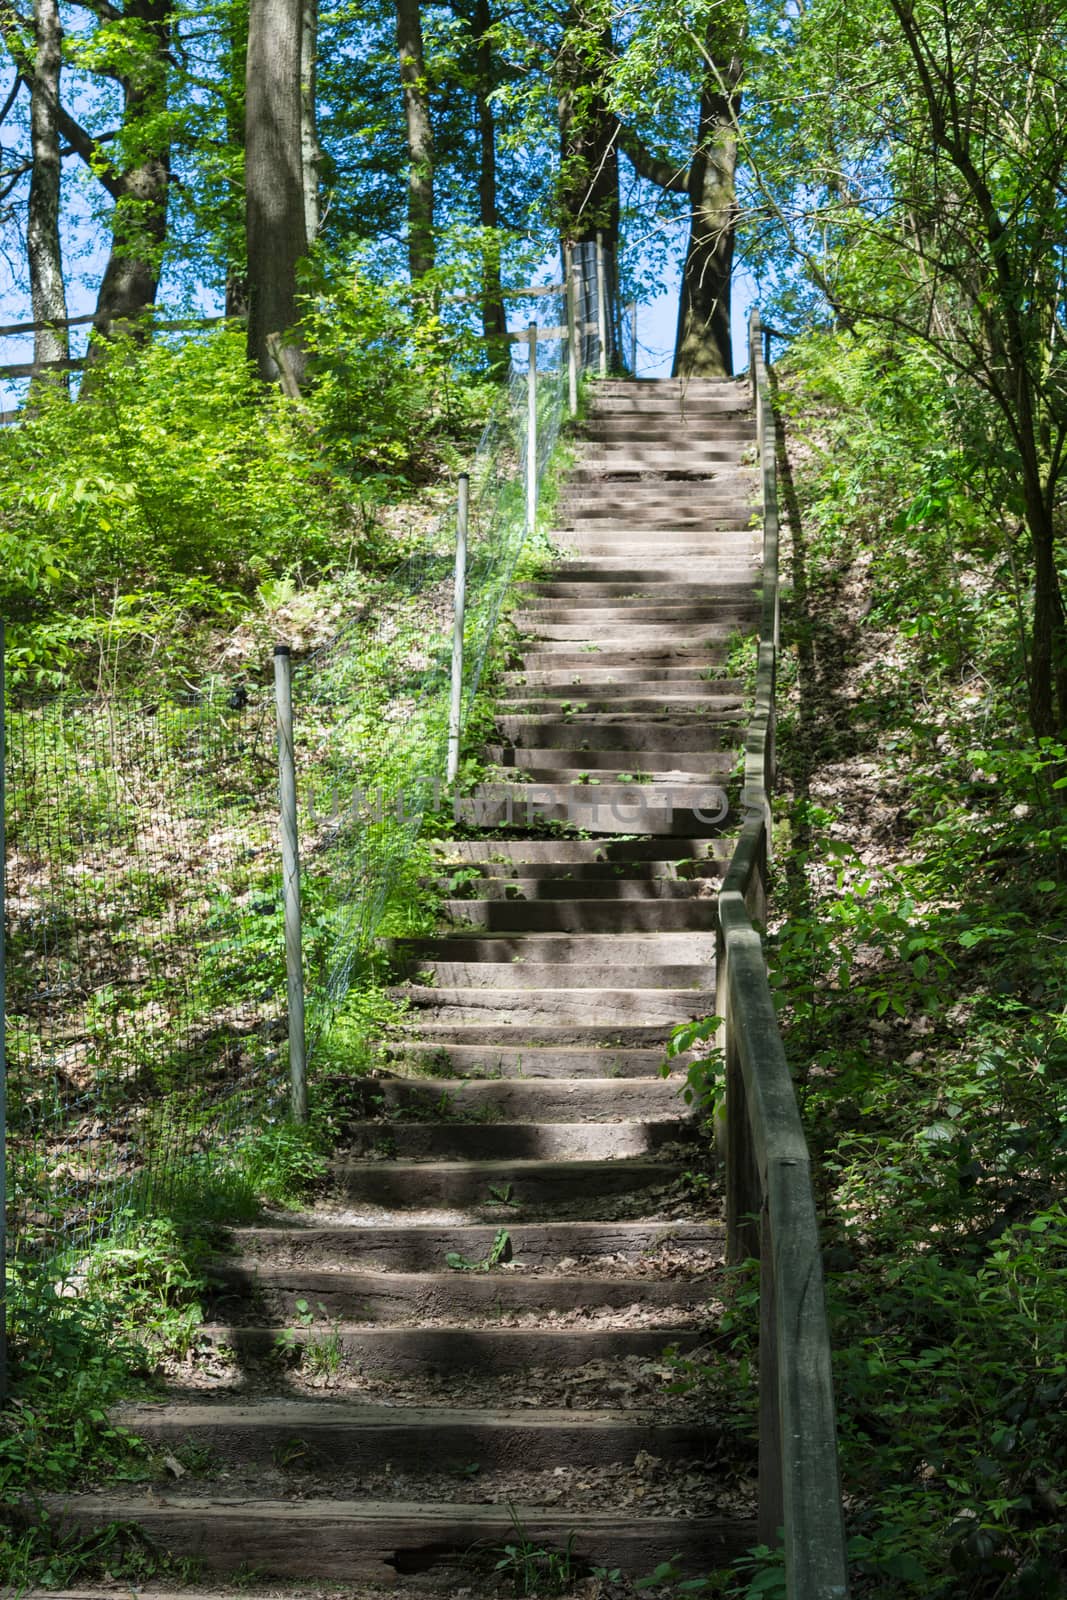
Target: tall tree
921,185
275,208
494,315
706,177
44,252
310,149
703,347
589,164
420,142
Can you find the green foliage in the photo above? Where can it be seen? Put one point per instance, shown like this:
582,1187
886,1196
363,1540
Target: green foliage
80,1335
499,1250
389,396
922,1000
532,1569
164,496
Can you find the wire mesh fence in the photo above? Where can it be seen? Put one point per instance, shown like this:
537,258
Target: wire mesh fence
374,703
145,1013
143,1002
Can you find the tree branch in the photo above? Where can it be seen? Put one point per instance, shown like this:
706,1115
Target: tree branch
666,174
85,145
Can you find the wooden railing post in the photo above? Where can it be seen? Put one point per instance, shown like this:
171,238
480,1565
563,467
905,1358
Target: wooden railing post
771,1494
572,331
601,306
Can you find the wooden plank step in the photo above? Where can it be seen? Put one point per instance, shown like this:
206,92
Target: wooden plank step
421,1247
699,765
375,1542
490,852
500,1189
518,974
444,1295
632,567
723,692
610,950
565,887
589,591
590,916
636,608
538,1061
505,1141
580,770
672,865
433,1351
628,1035
335,1434
562,656
618,729
526,1100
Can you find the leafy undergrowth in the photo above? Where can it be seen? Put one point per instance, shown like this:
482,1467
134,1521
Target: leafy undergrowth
921,969
102,1322
139,522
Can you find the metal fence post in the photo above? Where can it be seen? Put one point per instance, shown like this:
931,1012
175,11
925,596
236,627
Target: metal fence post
3,1028
456,704
294,958
601,306
572,332
531,433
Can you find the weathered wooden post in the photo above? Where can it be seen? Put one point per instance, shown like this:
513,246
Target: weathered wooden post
601,306
294,955
572,331
455,709
531,432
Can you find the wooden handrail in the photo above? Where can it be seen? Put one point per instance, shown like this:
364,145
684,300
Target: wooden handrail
770,1205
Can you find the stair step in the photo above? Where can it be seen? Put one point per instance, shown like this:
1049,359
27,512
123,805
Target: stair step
565,888
506,975
611,1034
620,729
618,947
350,1436
500,1189
740,567
422,1247
372,1542
671,864
437,1350
727,690
443,1296
697,766
526,1100
560,656
590,591
534,1059
519,1141
590,916
491,852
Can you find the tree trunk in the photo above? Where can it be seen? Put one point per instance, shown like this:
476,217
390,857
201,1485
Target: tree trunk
139,221
703,348
310,149
274,178
235,69
589,168
47,292
494,316
421,247
1048,646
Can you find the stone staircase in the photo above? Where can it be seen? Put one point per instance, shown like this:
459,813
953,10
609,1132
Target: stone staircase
468,1338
